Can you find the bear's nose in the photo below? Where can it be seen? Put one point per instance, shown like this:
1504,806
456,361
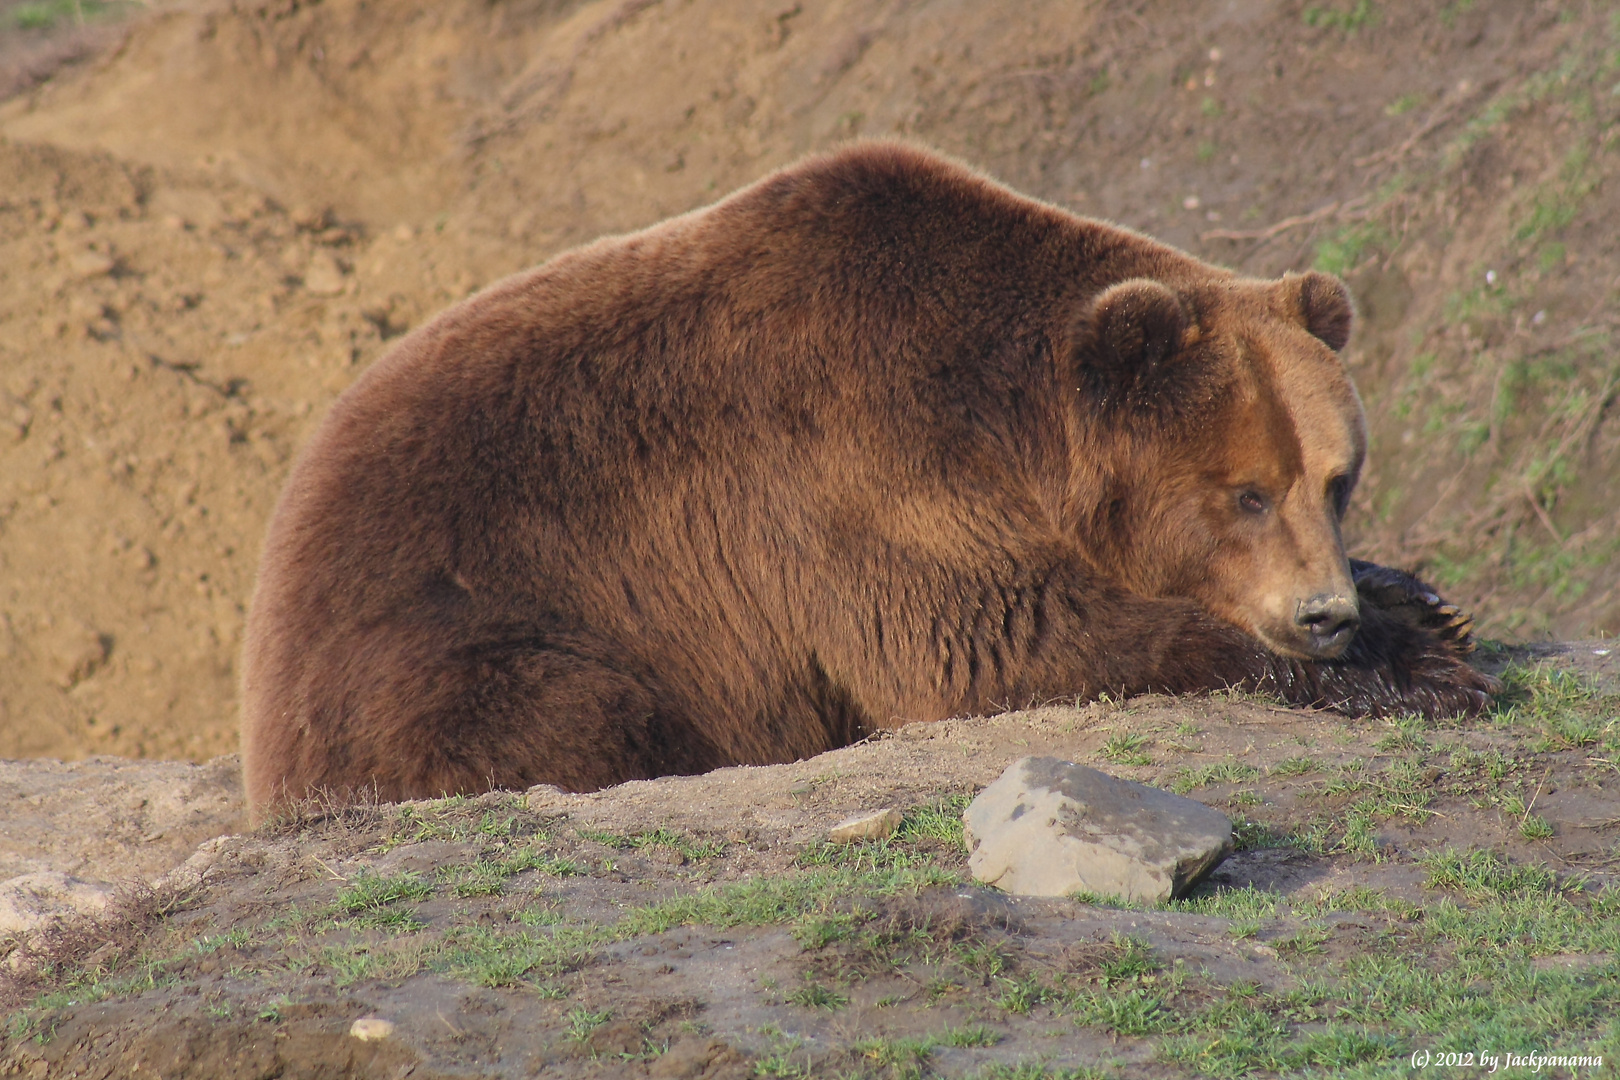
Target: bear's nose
1330,618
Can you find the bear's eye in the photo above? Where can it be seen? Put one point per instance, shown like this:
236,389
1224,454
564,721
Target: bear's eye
1252,502
1339,494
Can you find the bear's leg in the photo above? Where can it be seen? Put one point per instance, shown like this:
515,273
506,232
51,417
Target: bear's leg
1072,633
492,716
547,717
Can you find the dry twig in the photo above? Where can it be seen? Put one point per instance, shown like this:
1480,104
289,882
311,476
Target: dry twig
1339,209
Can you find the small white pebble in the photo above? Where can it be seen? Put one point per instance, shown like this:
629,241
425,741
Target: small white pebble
1490,277
1215,55
1190,202
1601,652
371,1028
1538,318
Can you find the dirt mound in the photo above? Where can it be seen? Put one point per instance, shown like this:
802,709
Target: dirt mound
701,926
207,232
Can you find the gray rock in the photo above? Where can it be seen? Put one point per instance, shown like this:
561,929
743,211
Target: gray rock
1051,828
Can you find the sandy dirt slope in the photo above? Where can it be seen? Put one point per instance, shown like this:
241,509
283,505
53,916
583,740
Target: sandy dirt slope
208,231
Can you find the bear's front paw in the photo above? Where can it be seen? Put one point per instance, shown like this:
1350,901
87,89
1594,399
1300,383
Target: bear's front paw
1410,655
1415,602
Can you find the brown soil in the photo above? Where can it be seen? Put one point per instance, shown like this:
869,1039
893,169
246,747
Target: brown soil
260,971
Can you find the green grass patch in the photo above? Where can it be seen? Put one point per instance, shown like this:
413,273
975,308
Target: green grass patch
813,995
49,14
688,846
923,832
1224,903
1126,748
968,1036
1567,710
1402,105
1229,771
582,1021
1344,19
368,891
1345,248
1483,874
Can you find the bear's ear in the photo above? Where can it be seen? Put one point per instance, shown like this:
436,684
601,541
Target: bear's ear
1323,306
1129,330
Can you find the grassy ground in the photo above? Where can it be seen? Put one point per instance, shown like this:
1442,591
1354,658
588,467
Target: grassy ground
1383,940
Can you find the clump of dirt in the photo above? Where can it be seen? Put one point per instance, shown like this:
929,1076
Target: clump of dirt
208,231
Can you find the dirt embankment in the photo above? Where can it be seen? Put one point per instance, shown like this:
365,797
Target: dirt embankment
207,232
1387,896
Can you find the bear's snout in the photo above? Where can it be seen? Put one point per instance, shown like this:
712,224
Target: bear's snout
1329,621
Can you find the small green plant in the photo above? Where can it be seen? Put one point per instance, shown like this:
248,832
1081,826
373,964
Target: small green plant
539,915
582,1021
939,821
1535,827
1135,1012
45,14
813,995
1484,874
660,837
1402,105
1568,711
1229,771
1134,960
983,958
271,1013
1019,996
1343,250
1037,1070
902,1057
1332,18
1224,903
1305,942
1406,736
1449,13
369,891
970,1035
1125,748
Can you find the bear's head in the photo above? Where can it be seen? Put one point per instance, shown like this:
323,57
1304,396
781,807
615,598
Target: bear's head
1229,441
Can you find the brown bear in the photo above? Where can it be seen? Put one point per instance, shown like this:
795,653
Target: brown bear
871,441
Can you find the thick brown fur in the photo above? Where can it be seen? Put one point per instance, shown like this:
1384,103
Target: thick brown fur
873,440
